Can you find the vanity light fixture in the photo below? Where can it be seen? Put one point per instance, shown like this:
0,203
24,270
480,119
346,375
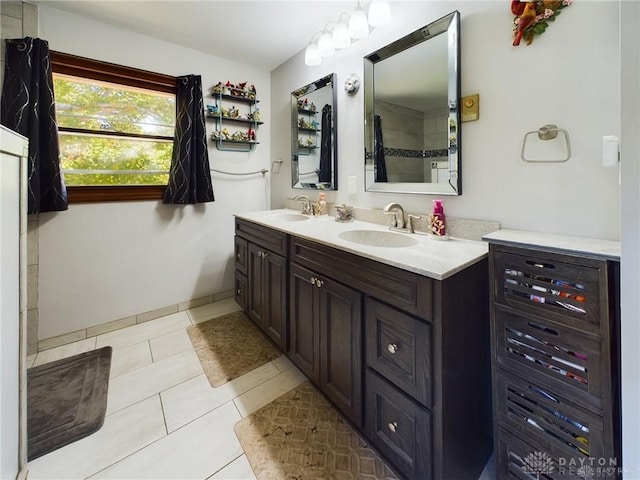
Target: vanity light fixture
355,26
379,13
358,23
312,55
325,44
340,34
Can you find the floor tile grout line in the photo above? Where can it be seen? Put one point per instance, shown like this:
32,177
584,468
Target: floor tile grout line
225,466
164,415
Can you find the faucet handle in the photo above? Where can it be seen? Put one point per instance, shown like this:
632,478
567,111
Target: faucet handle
410,219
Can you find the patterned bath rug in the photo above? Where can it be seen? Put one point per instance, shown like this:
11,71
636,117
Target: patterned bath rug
66,400
230,346
300,436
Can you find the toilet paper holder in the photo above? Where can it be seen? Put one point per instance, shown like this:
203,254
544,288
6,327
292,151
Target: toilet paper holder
547,132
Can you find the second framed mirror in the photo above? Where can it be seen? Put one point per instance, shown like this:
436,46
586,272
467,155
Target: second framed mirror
314,139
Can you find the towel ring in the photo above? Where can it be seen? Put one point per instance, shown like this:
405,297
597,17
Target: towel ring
547,132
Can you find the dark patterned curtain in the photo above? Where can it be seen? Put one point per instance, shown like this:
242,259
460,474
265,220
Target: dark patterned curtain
28,107
189,176
324,174
379,162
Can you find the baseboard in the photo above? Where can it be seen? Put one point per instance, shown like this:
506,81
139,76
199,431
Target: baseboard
113,325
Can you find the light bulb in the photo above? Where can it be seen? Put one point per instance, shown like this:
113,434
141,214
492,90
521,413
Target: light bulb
379,13
340,34
358,24
325,44
312,55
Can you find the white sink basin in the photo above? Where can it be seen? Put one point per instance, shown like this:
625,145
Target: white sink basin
289,217
378,238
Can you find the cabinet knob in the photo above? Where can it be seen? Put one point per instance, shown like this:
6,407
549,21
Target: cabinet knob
239,291
313,280
238,256
319,283
392,347
393,426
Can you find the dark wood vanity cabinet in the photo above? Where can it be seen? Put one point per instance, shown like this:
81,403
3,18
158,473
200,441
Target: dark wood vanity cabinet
261,278
326,337
403,356
555,359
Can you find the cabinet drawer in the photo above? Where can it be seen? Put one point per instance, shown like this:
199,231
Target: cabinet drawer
241,246
241,289
542,284
547,419
406,290
399,428
558,357
398,347
521,460
263,236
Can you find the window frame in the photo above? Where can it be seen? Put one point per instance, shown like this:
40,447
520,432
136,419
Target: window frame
64,63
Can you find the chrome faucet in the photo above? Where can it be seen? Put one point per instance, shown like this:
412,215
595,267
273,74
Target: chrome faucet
306,204
394,209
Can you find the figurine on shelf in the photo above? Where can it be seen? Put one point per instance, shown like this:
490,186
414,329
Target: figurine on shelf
224,111
243,88
300,143
225,134
302,123
233,112
216,89
310,142
237,136
229,87
252,92
251,135
256,115
216,135
312,107
314,125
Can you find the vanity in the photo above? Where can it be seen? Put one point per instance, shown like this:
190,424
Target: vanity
394,332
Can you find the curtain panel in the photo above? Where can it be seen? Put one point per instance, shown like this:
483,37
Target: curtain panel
325,170
190,174
28,107
380,164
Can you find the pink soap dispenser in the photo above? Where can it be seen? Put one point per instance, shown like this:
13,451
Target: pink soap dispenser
437,223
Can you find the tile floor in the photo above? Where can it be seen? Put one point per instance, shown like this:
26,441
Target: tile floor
164,421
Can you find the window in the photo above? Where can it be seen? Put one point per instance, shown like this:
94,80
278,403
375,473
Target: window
116,128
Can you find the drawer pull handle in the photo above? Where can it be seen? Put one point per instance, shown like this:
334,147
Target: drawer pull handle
393,426
393,348
540,264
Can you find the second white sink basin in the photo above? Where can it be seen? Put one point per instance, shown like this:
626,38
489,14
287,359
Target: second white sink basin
378,238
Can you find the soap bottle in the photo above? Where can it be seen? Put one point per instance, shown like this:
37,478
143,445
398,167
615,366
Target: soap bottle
322,204
437,223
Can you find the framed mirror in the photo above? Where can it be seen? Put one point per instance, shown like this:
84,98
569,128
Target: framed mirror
314,142
412,114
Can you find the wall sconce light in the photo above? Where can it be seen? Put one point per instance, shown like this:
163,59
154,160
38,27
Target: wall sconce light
325,44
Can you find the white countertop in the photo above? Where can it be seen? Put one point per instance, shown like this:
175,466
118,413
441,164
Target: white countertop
593,247
437,259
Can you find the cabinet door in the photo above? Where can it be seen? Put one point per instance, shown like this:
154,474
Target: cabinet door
341,346
254,274
274,298
304,338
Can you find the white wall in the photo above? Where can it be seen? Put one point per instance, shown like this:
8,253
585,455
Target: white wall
102,262
568,76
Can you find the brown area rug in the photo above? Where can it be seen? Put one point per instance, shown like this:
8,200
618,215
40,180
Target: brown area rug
230,346
300,436
66,400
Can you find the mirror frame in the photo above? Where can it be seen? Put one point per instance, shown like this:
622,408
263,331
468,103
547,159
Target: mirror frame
328,80
449,24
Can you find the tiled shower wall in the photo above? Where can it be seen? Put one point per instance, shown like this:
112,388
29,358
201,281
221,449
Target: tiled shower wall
20,20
